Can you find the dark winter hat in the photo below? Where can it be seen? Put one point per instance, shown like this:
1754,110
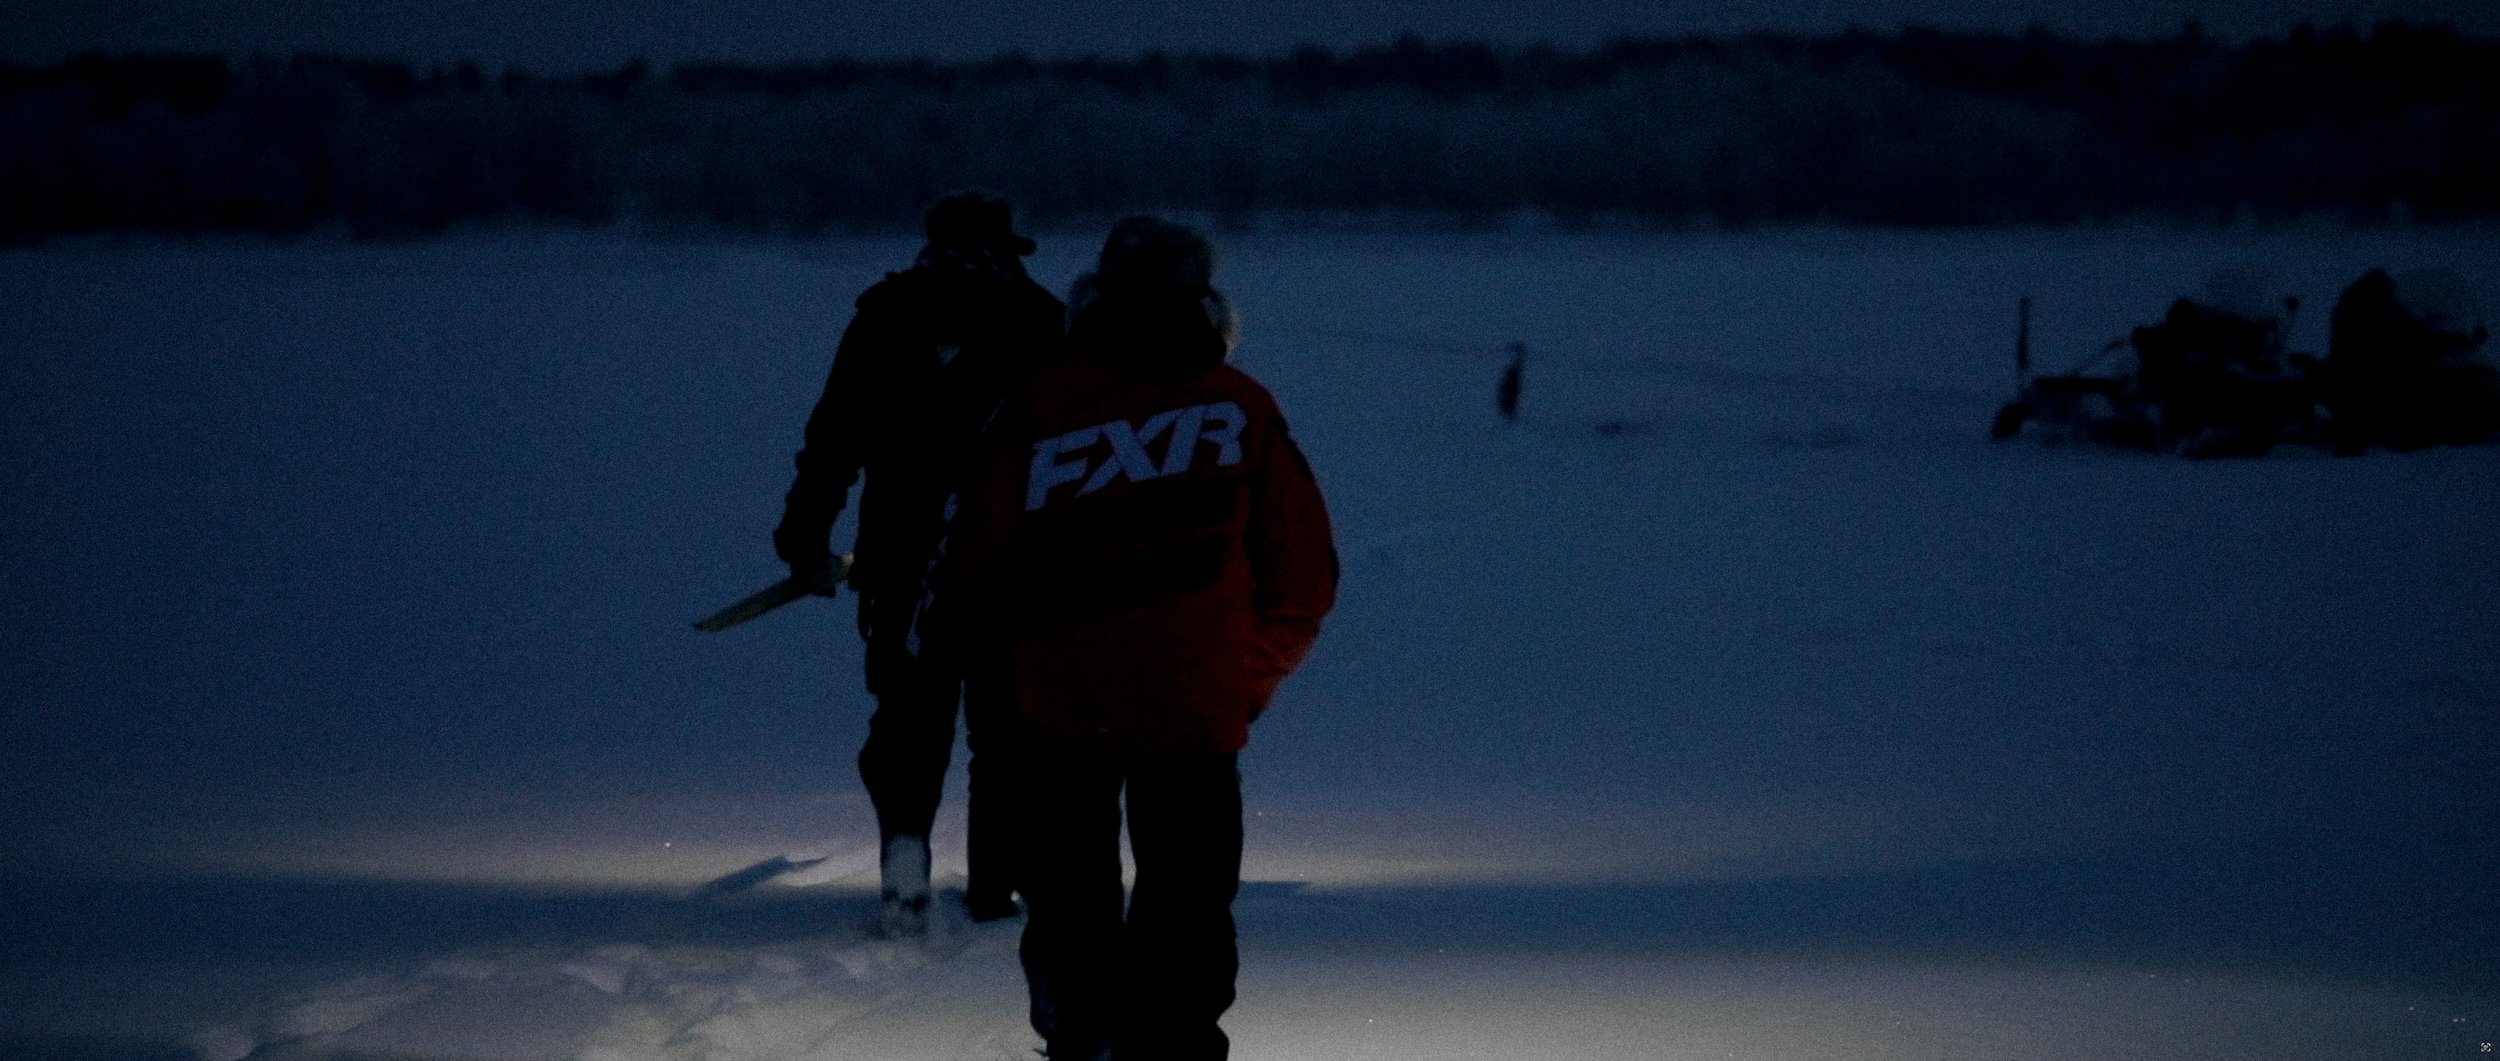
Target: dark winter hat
975,220
1152,254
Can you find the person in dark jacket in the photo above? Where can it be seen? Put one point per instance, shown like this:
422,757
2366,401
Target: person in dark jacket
1143,553
2400,365
920,371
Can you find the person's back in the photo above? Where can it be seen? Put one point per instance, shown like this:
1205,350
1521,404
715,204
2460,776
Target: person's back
1142,547
921,369
1156,517
929,355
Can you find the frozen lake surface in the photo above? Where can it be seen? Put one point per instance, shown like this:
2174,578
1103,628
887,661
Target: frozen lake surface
1740,701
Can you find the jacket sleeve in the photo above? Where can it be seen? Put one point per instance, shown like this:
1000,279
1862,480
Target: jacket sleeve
1293,557
968,582
832,450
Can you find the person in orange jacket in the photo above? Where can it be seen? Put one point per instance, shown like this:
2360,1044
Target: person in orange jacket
1142,553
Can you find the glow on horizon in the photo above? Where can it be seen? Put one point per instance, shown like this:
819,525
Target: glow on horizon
680,844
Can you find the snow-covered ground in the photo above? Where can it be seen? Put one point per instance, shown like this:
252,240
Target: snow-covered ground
1740,702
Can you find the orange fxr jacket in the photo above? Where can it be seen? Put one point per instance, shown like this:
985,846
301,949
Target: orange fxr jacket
1148,555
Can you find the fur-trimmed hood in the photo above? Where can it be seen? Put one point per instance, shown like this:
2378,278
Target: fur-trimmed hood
1150,306
1162,335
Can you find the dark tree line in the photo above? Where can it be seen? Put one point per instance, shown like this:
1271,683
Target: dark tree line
1917,127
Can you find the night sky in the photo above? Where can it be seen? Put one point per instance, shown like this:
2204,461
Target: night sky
561,35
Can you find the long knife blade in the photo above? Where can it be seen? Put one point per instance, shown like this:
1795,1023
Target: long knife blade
776,595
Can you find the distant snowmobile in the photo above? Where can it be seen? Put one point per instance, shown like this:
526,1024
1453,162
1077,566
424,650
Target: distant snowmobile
2213,382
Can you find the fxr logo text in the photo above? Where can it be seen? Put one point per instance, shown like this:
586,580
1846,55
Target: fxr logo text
1187,427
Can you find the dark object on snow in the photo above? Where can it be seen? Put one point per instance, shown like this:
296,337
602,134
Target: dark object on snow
1506,395
2218,384
2400,367
2206,383
2076,405
2401,371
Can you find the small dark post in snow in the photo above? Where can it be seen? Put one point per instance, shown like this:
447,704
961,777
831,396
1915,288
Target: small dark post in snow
2022,344
1506,396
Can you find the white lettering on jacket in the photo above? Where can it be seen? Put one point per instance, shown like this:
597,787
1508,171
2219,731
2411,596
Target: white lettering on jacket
1185,428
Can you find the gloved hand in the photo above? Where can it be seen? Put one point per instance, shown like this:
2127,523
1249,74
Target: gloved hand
803,548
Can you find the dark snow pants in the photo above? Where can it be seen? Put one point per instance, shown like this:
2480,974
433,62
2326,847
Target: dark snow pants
911,737
1150,983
